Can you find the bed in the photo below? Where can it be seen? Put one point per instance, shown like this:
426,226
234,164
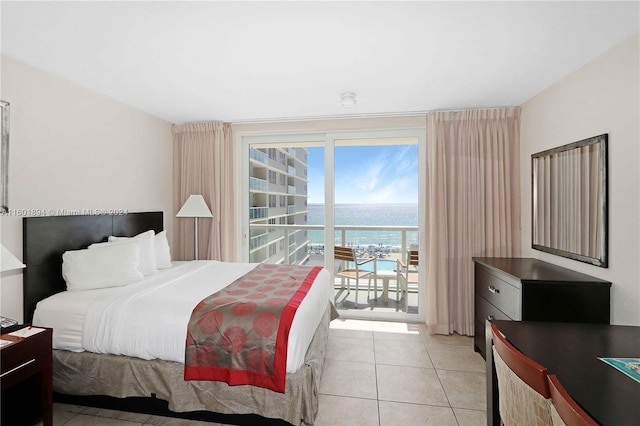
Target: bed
156,385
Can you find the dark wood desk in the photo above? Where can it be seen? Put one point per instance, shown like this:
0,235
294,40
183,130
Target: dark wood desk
571,351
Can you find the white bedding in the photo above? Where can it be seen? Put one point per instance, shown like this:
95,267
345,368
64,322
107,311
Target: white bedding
148,319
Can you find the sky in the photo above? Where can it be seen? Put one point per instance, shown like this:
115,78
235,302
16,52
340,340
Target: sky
366,174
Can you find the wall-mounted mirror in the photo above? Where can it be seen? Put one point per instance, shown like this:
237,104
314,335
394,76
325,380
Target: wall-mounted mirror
4,158
569,201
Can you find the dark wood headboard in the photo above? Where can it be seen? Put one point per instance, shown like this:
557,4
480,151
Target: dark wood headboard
46,238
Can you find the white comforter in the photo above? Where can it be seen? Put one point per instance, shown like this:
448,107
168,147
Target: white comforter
149,319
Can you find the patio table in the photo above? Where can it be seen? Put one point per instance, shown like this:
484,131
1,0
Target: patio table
386,276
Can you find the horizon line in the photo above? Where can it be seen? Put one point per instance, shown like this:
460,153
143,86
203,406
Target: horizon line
357,204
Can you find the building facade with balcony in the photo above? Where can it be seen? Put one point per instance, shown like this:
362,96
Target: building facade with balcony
278,196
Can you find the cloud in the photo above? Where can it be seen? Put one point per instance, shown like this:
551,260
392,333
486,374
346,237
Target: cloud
392,177
370,175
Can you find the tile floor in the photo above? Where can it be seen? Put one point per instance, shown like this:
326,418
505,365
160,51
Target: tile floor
376,373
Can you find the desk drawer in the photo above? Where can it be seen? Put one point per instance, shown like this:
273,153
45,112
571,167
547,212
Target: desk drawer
24,359
486,311
483,311
499,293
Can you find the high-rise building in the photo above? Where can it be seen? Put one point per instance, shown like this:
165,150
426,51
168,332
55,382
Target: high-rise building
278,196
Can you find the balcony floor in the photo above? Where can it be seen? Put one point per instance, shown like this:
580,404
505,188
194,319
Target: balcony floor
347,301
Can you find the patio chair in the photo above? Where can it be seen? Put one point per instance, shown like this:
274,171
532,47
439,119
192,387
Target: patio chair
351,268
407,274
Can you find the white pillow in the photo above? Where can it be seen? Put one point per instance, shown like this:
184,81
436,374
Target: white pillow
163,252
147,250
103,266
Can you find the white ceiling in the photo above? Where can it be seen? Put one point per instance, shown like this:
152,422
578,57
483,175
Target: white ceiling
241,61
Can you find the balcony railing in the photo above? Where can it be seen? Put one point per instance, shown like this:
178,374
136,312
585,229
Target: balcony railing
341,236
258,213
291,190
258,240
260,156
256,184
291,209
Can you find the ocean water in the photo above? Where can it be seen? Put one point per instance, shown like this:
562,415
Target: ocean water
367,215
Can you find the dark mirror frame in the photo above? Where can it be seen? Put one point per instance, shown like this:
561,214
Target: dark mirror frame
602,260
4,159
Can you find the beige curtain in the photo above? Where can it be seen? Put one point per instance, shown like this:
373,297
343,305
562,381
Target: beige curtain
203,164
473,207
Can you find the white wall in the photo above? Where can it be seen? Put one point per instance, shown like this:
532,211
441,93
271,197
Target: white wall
73,149
601,97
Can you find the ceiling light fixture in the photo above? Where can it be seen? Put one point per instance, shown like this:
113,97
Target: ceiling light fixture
348,99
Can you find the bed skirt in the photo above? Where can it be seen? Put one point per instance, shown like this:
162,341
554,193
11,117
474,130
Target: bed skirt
87,373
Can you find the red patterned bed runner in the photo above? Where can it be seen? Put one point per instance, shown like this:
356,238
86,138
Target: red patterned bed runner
240,334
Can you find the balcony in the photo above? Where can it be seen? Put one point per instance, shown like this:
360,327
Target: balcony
259,156
291,190
388,297
256,184
291,209
258,241
258,213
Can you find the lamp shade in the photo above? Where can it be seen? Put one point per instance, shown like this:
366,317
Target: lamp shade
195,206
9,261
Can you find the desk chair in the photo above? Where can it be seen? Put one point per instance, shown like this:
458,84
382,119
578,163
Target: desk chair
523,389
350,268
407,274
565,411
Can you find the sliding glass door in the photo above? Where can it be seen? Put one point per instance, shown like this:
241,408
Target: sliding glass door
309,193
376,215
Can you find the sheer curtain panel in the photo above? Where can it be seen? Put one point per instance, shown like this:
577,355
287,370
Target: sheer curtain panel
472,207
203,164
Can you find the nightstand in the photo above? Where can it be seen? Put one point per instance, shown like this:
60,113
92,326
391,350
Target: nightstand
26,378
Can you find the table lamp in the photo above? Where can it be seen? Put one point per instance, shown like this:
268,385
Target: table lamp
195,207
9,261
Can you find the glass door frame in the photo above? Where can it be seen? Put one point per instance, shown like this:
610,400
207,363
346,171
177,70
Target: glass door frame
328,140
